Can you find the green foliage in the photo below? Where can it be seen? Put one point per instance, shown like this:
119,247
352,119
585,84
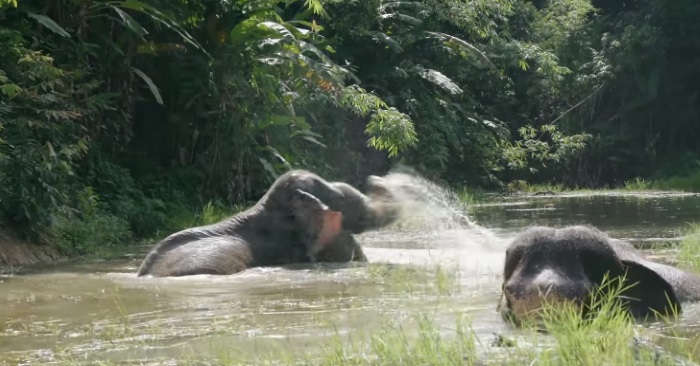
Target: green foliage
637,184
89,229
688,247
63,130
161,106
44,110
532,150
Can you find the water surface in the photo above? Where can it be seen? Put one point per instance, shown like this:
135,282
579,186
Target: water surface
88,311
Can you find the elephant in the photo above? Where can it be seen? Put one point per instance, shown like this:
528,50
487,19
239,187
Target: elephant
344,248
301,218
553,265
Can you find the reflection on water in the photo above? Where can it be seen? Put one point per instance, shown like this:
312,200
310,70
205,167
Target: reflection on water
84,312
635,218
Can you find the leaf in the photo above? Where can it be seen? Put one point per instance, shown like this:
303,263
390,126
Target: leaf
268,167
523,65
284,32
8,2
10,90
279,120
50,24
313,26
317,7
466,45
403,17
239,32
313,140
151,85
439,79
130,22
158,16
380,36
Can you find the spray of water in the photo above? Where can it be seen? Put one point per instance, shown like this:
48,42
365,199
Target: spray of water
428,205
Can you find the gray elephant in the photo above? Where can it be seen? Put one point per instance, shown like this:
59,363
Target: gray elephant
555,264
344,248
301,218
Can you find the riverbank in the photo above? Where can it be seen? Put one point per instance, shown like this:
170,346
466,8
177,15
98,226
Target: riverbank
685,184
103,236
100,237
16,253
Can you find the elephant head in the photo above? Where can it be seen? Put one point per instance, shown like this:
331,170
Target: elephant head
321,225
545,265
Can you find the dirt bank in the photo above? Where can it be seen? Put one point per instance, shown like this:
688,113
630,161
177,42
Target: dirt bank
15,253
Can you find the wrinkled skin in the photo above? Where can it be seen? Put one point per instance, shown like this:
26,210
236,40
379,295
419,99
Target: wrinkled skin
283,227
549,265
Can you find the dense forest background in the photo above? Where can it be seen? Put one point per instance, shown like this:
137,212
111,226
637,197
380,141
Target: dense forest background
118,119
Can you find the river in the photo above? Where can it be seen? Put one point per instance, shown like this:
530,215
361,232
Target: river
85,312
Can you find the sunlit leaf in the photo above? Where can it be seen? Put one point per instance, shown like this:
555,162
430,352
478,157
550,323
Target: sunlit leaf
439,79
10,90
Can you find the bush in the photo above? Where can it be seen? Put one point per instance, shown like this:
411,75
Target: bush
88,229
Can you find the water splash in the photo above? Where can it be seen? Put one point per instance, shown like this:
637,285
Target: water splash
426,201
428,205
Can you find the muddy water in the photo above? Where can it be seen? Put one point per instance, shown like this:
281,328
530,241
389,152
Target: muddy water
81,313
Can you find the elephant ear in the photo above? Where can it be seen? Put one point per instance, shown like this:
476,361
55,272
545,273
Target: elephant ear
326,223
303,199
331,227
647,293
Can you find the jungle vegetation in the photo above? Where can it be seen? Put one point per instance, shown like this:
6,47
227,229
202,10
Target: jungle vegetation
119,119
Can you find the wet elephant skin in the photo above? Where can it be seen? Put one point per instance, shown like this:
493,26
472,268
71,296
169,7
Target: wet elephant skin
554,265
273,232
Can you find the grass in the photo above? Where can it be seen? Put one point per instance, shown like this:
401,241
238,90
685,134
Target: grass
689,247
689,183
472,195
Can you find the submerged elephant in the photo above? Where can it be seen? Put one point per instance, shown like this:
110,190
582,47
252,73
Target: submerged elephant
550,265
301,218
343,248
